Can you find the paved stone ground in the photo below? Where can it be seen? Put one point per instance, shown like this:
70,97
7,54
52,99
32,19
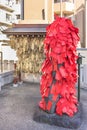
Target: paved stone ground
17,106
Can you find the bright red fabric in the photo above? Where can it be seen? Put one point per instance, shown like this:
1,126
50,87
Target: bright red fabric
60,68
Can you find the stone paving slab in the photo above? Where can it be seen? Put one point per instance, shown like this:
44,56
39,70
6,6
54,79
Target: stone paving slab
17,106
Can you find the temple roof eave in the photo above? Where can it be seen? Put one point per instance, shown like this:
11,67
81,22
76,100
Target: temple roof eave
30,29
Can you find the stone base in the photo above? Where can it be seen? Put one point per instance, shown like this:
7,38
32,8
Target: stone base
15,85
34,78
61,121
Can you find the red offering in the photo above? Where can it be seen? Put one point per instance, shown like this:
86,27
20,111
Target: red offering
59,70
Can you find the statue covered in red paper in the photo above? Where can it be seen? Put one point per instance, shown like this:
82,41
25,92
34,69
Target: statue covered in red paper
59,69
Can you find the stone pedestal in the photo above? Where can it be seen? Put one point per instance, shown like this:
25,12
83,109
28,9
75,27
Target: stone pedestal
61,121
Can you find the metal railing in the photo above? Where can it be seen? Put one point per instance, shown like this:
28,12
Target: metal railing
6,66
82,70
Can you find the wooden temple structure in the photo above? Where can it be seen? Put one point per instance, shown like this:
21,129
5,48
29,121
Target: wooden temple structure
27,40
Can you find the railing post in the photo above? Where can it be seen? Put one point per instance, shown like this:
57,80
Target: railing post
79,61
78,82
1,60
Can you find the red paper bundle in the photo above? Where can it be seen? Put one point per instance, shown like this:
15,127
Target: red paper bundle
60,69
